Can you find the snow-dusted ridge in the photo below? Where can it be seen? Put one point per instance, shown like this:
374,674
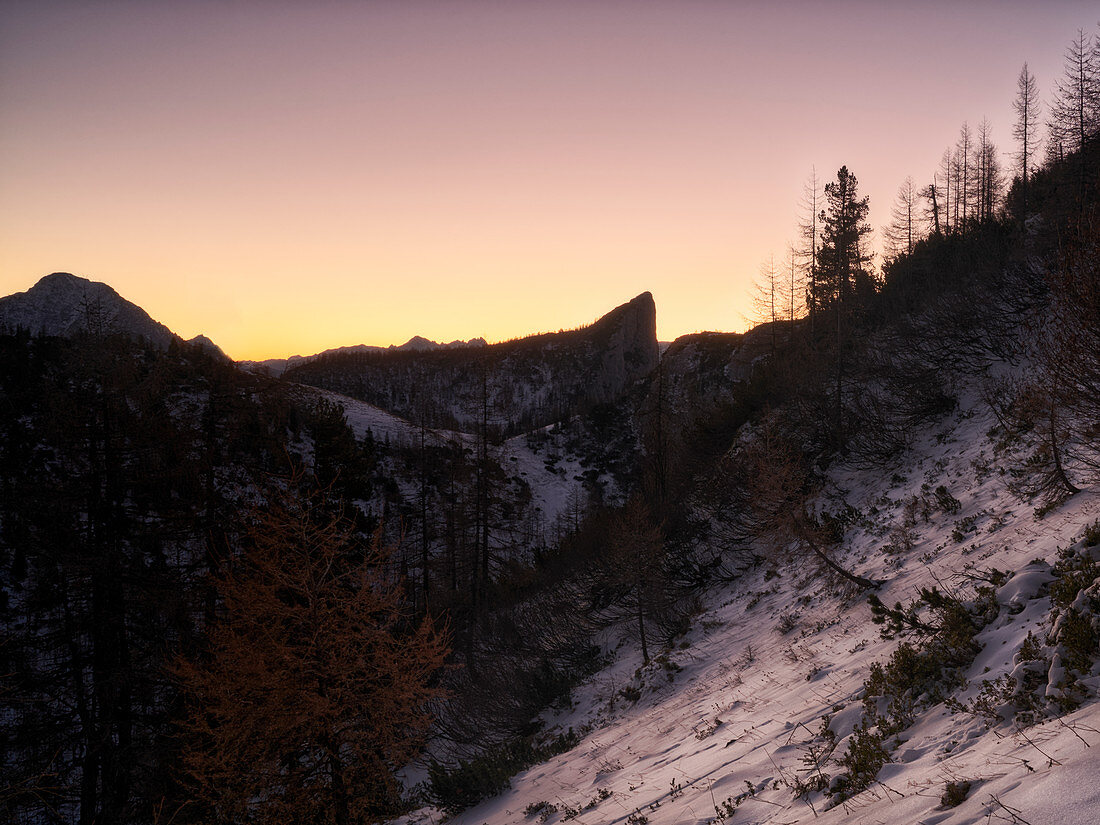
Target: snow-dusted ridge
737,705
65,305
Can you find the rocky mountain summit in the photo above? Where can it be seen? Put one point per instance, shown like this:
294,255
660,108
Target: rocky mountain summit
66,305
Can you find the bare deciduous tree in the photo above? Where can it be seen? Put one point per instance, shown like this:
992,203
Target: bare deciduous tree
904,228
1028,109
1075,113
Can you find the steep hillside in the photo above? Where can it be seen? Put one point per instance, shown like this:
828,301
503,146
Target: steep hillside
512,387
758,712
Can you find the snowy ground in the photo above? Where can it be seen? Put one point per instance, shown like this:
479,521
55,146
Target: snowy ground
736,705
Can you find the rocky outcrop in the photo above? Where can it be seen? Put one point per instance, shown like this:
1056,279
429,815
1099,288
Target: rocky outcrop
516,385
628,338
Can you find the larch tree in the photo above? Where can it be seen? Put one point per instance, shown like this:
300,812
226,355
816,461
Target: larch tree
779,484
314,689
794,290
1028,109
932,209
988,179
809,229
1075,114
769,300
963,170
945,190
636,556
904,228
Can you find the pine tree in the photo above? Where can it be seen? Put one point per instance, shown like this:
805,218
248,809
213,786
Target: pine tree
844,257
844,280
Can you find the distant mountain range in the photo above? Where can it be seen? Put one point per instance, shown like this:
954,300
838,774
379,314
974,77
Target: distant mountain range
65,305
277,366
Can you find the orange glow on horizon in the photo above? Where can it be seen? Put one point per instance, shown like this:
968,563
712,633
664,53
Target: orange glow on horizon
286,179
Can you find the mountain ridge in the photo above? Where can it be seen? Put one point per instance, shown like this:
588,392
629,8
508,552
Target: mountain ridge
520,384
277,366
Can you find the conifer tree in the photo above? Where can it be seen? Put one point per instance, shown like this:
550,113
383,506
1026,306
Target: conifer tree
843,279
769,300
844,257
636,555
903,230
313,691
810,232
1075,114
1028,109
988,180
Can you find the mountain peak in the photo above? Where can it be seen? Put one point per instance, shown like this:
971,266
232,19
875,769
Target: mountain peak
418,342
65,305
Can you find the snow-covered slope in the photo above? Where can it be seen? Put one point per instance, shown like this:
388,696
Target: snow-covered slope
725,725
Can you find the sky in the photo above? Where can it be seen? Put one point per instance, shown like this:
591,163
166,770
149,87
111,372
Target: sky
288,177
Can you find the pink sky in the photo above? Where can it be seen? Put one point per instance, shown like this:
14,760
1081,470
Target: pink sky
290,177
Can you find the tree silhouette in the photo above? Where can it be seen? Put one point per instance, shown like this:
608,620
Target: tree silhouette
1075,114
1027,107
904,228
843,279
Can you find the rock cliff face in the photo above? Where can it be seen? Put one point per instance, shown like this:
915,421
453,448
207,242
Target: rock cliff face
631,350
65,305
702,371
512,387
